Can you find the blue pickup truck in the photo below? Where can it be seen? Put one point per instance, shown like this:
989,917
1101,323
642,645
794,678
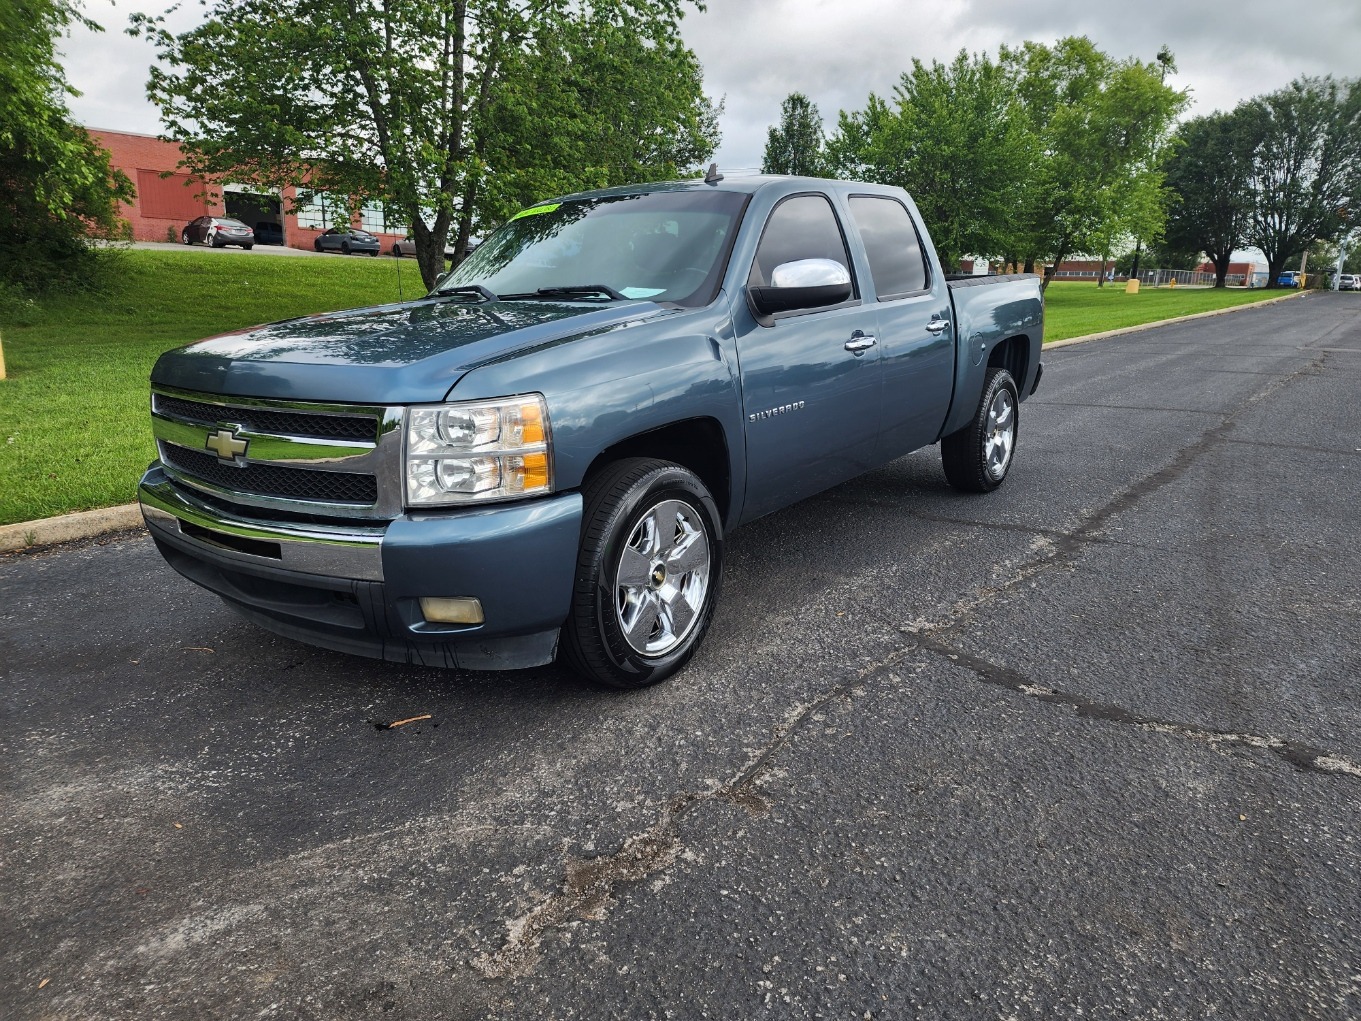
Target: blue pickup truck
541,458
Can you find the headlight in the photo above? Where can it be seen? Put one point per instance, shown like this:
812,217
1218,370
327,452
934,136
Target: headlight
477,451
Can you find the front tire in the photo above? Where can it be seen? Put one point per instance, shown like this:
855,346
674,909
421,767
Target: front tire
648,574
184,236
345,248
978,457
317,245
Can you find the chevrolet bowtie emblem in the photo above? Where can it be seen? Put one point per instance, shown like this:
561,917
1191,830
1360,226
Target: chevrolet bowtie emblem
227,447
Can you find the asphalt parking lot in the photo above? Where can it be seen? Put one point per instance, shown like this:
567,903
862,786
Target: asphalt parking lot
1089,746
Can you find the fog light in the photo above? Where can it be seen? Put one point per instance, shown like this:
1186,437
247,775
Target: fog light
455,610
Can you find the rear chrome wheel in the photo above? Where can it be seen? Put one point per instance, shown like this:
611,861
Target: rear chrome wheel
977,458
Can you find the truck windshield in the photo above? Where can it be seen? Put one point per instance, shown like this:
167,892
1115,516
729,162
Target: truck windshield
665,246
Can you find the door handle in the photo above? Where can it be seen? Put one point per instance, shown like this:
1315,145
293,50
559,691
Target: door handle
936,327
860,342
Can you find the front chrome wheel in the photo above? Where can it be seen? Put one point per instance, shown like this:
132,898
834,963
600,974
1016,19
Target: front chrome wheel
1000,438
649,570
662,578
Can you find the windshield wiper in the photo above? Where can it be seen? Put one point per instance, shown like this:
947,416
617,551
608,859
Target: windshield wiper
574,291
470,289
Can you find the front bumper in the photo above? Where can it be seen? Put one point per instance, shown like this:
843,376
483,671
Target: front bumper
355,587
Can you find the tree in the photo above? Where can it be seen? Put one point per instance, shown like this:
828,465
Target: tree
957,140
1209,173
453,113
1305,174
1101,127
795,145
57,188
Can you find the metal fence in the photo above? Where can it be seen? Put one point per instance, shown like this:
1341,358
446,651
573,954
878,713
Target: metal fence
1153,277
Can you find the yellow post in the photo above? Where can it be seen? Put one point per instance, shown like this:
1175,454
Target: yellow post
1133,286
2,357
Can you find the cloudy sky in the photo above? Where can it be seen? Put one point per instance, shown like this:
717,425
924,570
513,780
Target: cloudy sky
755,52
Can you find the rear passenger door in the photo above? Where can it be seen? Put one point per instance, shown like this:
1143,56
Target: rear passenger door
916,336
810,378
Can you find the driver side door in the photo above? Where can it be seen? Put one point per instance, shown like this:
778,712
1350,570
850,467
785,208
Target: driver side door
810,377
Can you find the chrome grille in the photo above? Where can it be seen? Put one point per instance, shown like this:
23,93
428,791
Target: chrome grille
272,480
292,457
281,423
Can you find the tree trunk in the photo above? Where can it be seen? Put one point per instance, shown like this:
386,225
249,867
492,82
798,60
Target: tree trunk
1221,262
1049,272
1273,270
1029,264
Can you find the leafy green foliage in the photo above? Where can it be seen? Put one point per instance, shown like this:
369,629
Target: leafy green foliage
1101,127
1305,175
1209,173
955,137
795,145
451,113
56,186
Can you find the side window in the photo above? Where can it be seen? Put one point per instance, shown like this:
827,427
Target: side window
891,242
802,227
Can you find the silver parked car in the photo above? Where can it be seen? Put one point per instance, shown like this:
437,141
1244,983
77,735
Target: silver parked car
406,247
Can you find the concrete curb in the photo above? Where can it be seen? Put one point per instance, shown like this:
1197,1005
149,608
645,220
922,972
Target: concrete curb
87,524
69,527
1170,322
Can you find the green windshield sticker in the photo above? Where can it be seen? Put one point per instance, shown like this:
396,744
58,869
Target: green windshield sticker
536,210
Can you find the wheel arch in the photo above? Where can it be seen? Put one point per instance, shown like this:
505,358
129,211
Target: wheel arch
1012,354
697,444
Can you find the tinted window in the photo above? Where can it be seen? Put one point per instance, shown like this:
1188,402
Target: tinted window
803,227
891,242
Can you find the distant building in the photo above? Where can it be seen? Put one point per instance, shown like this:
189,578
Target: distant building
164,204
1241,274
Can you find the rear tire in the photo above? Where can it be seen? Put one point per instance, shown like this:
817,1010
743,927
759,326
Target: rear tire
317,244
345,248
247,247
648,574
977,458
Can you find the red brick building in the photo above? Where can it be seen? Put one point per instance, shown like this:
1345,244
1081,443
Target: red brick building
164,204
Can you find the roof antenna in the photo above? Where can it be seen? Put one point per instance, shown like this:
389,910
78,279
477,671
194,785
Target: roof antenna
713,176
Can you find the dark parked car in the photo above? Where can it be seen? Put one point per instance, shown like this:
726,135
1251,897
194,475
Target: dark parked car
267,232
218,232
347,240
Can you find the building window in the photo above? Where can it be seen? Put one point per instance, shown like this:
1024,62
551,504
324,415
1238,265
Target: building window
321,211
373,218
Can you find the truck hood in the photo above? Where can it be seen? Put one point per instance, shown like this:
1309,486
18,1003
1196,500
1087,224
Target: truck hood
388,354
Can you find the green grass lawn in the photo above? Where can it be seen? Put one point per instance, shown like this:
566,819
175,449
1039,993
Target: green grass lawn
74,426
75,431
1075,309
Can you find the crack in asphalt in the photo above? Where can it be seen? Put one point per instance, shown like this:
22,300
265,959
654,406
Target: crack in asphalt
1300,755
589,884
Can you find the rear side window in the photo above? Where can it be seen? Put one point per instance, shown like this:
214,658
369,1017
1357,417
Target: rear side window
891,242
802,227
